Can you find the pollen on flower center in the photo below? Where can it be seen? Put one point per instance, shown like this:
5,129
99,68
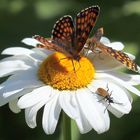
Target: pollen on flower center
64,73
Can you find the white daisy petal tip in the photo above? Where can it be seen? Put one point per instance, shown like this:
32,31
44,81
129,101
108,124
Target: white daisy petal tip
51,115
117,45
16,51
93,111
104,40
31,114
131,56
113,45
31,42
138,69
13,106
120,109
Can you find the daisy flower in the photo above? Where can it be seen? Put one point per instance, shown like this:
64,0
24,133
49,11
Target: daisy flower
42,78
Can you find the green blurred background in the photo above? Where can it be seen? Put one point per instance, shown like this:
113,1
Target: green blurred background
25,18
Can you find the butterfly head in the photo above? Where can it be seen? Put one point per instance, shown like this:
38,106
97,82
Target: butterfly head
76,57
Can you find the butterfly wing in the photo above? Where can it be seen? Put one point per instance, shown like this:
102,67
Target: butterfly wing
118,55
62,36
46,43
63,33
94,43
70,40
121,57
85,21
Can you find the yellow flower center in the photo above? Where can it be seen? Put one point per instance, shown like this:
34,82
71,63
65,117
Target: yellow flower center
64,73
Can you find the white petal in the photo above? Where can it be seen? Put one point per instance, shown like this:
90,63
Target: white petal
119,96
28,75
34,54
116,46
119,82
11,90
131,56
120,110
15,96
24,58
31,42
10,67
81,121
17,86
106,120
43,52
67,104
30,117
113,45
93,111
31,113
105,84
17,51
13,106
138,69
51,115
17,83
3,101
35,96
128,95
104,40
38,56
117,113
104,62
128,78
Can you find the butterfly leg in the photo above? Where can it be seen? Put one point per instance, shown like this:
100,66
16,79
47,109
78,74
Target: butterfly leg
60,60
73,66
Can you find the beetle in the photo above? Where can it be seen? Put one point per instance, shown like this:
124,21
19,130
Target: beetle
106,96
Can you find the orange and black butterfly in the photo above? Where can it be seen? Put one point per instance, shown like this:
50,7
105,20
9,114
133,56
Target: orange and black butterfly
69,37
94,43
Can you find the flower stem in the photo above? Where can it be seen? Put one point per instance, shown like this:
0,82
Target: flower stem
66,128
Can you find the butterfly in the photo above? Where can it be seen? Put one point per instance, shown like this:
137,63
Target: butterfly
94,43
69,37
